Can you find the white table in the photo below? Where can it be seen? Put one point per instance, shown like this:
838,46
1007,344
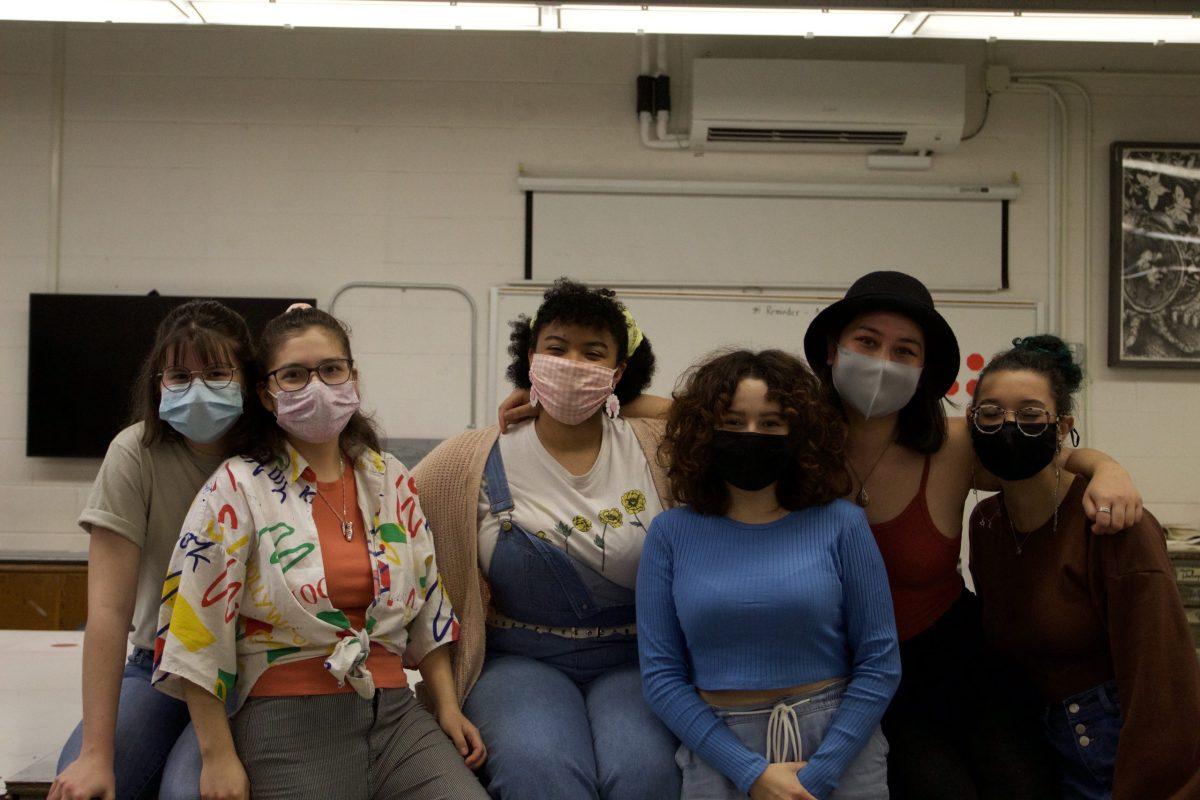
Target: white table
39,695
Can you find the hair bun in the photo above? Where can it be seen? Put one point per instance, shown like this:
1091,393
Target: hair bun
1057,350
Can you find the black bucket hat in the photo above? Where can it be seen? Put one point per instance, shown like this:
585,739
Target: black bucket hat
889,291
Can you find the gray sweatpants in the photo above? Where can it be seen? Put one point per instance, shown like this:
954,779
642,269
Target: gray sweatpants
343,747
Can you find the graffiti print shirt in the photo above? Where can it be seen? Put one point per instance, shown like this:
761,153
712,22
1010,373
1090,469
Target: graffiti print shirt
235,599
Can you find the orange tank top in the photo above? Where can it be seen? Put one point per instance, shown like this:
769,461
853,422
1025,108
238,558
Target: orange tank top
350,587
922,564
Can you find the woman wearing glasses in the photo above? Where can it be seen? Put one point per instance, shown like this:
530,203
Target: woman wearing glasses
1095,623
887,359
188,405
303,583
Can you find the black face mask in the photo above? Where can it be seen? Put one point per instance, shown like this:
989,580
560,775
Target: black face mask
1011,455
751,461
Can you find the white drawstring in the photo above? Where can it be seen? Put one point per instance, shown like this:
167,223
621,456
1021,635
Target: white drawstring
783,735
783,731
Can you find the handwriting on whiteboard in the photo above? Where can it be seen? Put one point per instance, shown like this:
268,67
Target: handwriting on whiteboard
782,311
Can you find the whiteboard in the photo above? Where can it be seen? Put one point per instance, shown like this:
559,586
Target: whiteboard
951,244
687,324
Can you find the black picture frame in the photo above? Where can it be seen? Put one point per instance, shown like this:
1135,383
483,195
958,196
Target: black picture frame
1154,256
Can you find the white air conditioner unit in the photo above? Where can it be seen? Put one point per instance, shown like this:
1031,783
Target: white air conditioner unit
774,105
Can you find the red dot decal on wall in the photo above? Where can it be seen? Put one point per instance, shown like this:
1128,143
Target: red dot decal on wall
953,390
971,387
975,362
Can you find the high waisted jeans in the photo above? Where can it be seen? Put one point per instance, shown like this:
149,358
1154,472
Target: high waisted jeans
1084,730
563,718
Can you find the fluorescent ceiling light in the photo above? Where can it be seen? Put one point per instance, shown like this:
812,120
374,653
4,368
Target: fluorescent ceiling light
370,14
147,11
532,16
1039,26
744,21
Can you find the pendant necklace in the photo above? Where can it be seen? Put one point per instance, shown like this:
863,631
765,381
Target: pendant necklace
862,498
347,524
1020,542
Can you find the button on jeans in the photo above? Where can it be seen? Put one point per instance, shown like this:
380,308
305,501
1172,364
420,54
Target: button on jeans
1084,730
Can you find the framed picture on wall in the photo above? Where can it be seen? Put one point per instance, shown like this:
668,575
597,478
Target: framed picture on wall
1154,292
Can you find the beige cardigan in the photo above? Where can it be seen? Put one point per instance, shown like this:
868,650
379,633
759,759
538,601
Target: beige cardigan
448,480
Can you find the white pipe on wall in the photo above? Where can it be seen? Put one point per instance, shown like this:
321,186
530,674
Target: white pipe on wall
58,91
1065,79
653,127
1056,201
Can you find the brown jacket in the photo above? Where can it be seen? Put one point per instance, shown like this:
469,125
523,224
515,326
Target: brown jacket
448,480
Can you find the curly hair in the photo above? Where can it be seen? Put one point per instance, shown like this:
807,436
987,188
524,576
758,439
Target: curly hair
817,432
269,442
1048,355
573,303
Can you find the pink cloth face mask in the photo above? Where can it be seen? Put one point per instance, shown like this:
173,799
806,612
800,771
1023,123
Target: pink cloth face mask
317,413
571,391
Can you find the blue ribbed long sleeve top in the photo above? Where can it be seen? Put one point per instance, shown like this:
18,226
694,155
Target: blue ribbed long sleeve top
728,605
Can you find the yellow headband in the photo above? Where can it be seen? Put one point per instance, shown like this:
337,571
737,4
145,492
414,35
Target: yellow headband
633,332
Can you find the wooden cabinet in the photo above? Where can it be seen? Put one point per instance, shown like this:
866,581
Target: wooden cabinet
43,595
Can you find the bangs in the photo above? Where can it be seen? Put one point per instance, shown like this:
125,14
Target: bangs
208,346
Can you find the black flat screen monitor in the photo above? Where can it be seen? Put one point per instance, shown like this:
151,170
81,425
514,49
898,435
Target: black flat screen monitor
85,351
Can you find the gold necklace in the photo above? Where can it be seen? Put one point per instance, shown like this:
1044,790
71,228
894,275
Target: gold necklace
347,525
862,498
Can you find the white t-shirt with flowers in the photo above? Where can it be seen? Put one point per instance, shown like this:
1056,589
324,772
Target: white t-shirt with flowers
600,518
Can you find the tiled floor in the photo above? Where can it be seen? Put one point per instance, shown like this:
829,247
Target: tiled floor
39,694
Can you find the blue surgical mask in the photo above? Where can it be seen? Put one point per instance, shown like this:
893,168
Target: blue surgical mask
202,414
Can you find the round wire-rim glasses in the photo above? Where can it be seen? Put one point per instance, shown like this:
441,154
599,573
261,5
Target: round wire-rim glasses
1031,421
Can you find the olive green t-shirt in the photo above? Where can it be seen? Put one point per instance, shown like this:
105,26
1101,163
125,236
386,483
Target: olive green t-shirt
143,493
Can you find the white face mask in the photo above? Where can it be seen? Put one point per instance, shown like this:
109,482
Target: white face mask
875,387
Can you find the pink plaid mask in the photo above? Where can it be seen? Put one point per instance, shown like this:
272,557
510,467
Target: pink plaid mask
571,391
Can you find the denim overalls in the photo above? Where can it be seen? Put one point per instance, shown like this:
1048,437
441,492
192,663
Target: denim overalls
563,716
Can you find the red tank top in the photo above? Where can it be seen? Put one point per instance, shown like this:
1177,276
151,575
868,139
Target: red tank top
922,565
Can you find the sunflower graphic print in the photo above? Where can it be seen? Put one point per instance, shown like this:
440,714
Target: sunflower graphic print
598,519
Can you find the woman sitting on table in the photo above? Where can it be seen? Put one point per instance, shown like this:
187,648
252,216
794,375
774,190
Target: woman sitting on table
189,398
539,533
303,583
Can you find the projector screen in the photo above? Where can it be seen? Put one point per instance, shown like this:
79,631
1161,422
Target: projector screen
667,239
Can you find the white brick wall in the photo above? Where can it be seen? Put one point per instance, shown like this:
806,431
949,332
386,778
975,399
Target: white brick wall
253,161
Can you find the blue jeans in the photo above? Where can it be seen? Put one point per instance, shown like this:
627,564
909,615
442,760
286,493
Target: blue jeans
1084,730
550,738
864,779
156,753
